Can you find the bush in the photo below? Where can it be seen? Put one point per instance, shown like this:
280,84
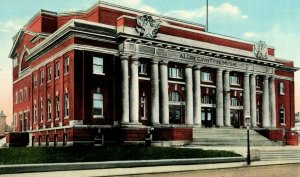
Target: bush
97,154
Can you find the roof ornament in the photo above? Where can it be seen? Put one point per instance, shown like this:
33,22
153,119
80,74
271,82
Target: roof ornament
147,26
260,50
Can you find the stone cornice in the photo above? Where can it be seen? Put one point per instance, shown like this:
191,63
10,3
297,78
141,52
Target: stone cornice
76,28
158,44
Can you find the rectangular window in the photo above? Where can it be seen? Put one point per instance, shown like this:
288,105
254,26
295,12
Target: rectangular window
15,120
56,70
175,73
97,65
21,96
282,115
98,104
257,114
34,113
21,121
41,110
281,88
257,81
234,80
67,105
25,93
49,74
57,107
66,65
143,107
35,80
143,68
206,76
42,78
17,97
49,109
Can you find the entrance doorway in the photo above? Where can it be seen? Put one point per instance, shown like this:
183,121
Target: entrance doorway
207,117
175,114
236,118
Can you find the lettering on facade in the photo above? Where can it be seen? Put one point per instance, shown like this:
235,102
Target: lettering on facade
212,61
147,50
161,52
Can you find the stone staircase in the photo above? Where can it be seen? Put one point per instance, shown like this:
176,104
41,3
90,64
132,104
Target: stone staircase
228,137
279,155
3,142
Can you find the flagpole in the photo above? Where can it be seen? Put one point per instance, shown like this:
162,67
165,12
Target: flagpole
206,15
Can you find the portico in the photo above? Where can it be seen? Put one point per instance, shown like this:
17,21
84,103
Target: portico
219,65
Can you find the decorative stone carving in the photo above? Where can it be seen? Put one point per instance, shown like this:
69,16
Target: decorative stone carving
147,26
260,50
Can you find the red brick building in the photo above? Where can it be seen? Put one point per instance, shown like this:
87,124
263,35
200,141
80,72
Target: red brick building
110,73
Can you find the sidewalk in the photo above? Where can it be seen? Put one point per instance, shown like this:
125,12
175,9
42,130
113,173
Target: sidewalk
24,168
148,170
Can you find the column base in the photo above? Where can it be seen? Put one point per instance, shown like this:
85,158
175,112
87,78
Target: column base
131,124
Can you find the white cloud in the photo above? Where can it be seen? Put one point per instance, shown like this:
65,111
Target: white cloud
136,4
244,16
11,25
250,34
226,9
148,9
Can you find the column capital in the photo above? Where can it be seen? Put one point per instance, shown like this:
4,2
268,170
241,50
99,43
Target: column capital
164,62
220,69
154,61
189,65
197,67
124,57
246,73
272,78
253,75
135,57
227,71
266,77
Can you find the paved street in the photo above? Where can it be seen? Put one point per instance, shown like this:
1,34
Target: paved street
209,170
289,170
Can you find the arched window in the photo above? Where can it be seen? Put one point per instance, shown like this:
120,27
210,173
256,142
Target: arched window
234,101
174,96
206,99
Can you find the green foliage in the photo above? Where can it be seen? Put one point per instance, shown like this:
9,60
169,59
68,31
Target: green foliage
96,154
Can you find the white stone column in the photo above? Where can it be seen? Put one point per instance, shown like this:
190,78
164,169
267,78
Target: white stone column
189,95
134,91
154,93
125,90
272,102
219,99
246,97
227,99
197,96
253,100
164,92
265,103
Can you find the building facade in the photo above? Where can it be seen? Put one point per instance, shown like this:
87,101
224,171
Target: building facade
2,124
111,73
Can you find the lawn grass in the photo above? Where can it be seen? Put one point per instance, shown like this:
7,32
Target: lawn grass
97,154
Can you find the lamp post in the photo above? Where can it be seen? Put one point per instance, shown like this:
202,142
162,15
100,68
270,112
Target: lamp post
248,120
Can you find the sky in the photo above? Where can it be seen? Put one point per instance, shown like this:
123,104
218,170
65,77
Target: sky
275,22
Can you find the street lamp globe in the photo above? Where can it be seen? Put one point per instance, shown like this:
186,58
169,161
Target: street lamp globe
248,120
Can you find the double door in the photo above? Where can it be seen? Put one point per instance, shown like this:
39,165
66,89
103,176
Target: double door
207,117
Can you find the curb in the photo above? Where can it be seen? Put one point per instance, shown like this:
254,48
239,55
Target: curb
23,168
